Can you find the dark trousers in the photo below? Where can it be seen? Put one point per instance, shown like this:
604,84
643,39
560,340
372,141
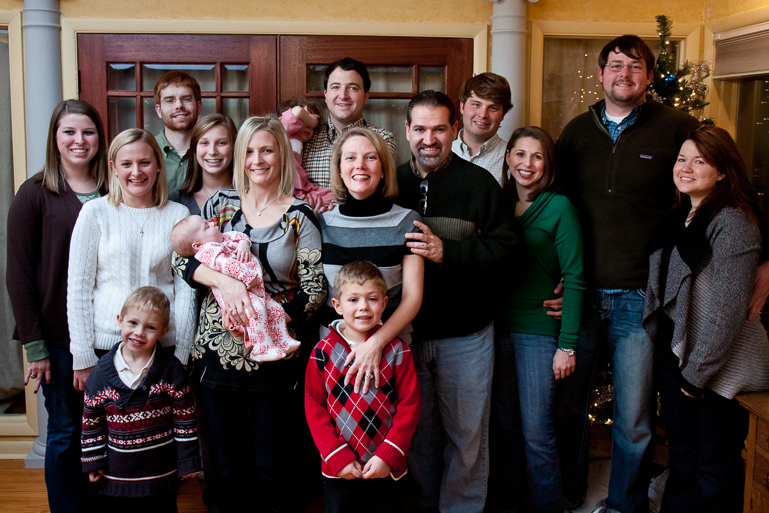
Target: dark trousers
160,503
384,495
249,436
705,438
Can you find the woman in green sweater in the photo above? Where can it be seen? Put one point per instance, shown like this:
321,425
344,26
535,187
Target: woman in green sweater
534,349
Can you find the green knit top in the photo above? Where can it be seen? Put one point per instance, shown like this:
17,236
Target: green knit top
552,250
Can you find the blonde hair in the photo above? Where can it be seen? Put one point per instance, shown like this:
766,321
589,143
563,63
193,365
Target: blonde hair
53,174
160,188
148,299
272,125
359,273
388,186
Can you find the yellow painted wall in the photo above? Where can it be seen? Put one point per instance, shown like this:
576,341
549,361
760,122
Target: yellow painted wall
10,5
630,11
437,11
716,9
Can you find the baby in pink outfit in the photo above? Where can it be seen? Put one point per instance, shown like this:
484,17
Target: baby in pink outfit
230,254
299,118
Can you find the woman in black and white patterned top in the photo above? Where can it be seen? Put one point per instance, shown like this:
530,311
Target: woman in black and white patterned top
245,400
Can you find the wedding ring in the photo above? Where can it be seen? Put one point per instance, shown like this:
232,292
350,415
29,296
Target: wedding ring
33,376
369,376
232,310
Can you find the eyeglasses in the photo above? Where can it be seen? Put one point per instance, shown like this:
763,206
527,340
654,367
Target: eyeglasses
171,100
423,202
616,67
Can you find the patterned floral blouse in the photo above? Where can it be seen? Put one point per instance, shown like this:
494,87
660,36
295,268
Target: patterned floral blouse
292,267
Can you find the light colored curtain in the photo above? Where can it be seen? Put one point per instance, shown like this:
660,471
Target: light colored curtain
570,79
11,367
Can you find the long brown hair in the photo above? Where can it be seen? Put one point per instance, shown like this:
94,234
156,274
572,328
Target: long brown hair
193,181
53,174
549,168
718,149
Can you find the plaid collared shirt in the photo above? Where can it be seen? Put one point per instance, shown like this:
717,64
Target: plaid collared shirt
490,157
615,129
316,155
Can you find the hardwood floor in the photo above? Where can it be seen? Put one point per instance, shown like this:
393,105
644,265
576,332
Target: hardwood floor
23,491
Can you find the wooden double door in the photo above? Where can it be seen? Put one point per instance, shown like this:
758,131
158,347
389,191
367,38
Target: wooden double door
243,75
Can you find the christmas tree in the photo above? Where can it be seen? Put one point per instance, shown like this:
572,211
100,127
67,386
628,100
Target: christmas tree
670,84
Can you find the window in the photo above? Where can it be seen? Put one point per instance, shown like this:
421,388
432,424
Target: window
753,132
570,78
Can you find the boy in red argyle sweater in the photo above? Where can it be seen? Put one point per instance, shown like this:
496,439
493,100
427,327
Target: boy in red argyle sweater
362,438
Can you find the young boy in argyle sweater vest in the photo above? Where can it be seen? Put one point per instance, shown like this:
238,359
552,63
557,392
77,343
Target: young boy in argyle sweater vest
139,432
362,438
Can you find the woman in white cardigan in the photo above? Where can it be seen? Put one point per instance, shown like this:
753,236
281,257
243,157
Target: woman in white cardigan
706,351
122,242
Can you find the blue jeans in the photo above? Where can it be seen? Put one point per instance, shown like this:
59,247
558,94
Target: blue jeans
67,485
612,320
449,455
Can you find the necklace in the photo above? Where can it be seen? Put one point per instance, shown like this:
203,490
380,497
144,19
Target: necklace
141,226
208,193
259,213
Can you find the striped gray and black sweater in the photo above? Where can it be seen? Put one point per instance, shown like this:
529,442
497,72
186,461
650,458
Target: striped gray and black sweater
143,439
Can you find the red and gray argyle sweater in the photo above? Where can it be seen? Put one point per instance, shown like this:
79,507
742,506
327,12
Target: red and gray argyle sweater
143,439
347,426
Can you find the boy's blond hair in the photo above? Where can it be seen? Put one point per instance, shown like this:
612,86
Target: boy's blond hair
359,273
181,240
148,299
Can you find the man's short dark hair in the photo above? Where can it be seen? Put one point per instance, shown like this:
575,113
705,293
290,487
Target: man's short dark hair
490,87
348,64
432,99
632,46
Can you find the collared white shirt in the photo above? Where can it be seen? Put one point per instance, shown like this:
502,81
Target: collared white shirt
127,376
489,157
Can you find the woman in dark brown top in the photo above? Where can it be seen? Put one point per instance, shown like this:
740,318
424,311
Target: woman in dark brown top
40,223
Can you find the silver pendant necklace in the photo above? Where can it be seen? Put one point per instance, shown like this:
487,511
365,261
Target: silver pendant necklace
259,213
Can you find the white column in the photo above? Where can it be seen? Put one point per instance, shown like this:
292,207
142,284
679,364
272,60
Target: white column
42,74
508,57
42,93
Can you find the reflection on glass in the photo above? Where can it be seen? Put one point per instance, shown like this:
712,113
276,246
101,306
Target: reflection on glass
12,398
432,77
391,115
205,74
570,78
121,115
121,77
753,132
315,75
236,108
235,77
154,124
390,79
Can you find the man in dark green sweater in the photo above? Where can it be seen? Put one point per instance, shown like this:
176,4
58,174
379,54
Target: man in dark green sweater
468,238
616,163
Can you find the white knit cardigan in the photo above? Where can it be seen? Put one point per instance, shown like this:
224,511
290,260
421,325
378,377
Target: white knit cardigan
113,252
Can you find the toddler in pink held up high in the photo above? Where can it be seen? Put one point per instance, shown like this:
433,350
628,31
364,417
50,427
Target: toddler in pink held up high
230,254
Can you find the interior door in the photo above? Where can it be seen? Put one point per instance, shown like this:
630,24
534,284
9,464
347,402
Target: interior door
399,67
117,74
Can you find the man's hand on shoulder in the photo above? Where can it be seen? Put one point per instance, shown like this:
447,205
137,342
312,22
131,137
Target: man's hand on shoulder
425,244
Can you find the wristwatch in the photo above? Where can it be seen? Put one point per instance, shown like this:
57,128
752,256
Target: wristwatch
569,352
